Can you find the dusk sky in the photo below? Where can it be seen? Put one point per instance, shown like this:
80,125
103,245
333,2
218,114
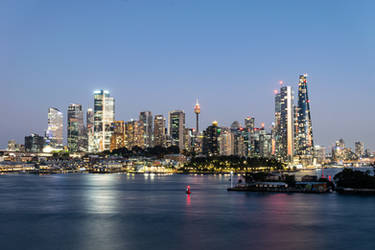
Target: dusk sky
162,55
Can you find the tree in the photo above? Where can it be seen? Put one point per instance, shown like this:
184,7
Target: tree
349,178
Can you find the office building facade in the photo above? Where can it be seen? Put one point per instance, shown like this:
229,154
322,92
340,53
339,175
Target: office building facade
76,129
104,115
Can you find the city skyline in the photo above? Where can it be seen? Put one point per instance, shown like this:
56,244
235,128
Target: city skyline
231,64
292,91
187,124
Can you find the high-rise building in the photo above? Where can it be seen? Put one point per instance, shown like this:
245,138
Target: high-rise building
342,153
276,130
76,128
34,143
176,128
359,149
146,118
340,143
134,131
259,143
211,140
238,139
118,136
90,142
250,124
54,133
225,141
90,118
320,154
265,144
189,139
246,134
304,133
286,129
104,115
296,129
159,131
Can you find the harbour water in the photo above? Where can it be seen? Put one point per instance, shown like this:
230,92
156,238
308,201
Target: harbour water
119,211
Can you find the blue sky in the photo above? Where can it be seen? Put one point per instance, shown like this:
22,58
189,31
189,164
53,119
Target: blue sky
162,55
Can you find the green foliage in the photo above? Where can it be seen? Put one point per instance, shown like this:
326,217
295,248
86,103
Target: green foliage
256,176
230,163
61,155
156,151
349,178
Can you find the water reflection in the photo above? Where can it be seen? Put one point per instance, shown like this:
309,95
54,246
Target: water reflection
188,200
102,195
132,212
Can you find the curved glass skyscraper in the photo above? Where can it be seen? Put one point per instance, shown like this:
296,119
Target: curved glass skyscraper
304,133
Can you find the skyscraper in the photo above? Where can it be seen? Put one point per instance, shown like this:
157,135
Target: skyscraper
249,123
54,133
238,139
104,115
359,149
211,140
189,139
286,130
90,144
76,129
246,134
159,131
89,118
276,130
320,154
225,142
176,127
146,118
134,132
304,133
265,144
118,136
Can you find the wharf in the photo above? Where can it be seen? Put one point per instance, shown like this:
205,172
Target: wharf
281,187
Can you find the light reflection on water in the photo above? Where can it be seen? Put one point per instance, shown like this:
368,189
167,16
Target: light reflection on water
101,197
124,211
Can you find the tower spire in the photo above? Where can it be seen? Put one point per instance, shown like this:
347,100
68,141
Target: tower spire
197,111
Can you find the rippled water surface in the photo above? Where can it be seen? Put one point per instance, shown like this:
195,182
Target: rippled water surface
153,212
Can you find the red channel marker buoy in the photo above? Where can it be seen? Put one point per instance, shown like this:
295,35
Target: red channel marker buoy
188,190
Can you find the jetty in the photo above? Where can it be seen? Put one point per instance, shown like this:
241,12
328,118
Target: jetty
282,187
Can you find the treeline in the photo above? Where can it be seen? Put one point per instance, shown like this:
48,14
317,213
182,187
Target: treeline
231,163
349,178
157,151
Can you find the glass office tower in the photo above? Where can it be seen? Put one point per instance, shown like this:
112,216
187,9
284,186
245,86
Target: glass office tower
104,115
76,128
304,133
54,133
